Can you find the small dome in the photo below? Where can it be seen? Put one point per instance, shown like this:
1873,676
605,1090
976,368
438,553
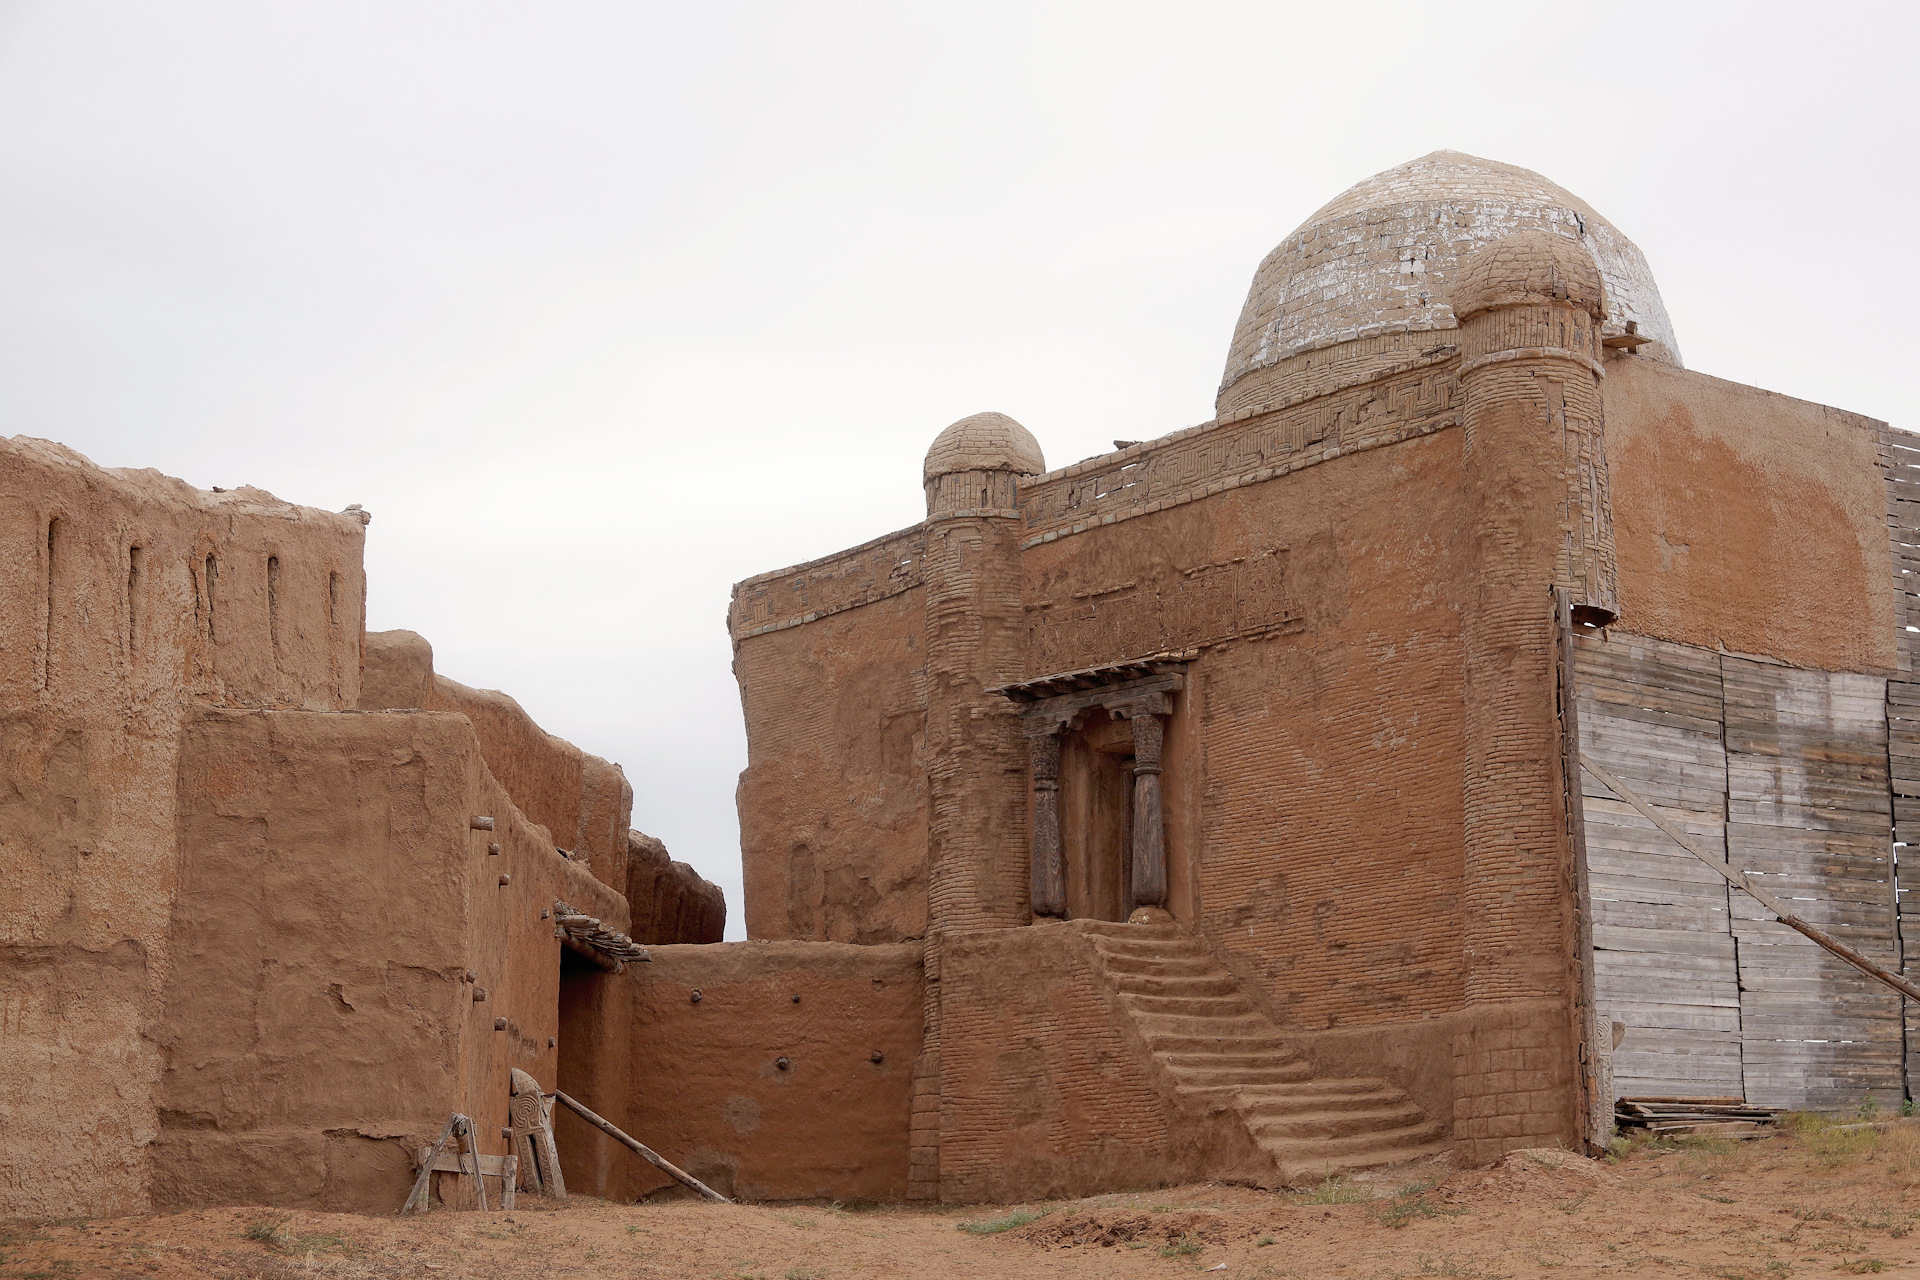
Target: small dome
984,442
1527,268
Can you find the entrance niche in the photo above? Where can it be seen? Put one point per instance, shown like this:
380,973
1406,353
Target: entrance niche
1098,845
1096,817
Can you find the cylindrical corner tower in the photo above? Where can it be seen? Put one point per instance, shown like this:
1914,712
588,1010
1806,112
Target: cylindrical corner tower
1529,308
976,754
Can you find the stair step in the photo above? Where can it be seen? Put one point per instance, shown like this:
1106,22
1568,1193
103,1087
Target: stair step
1272,1072
1170,946
1352,1151
1335,1123
1099,929
1223,1050
1188,1024
1307,1170
1234,1005
1324,1087
1118,966
1160,983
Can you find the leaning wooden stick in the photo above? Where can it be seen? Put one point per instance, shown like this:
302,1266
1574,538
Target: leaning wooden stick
640,1149
1739,880
421,1183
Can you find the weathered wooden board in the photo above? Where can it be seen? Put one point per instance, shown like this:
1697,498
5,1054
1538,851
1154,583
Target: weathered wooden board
1791,774
1664,954
1810,815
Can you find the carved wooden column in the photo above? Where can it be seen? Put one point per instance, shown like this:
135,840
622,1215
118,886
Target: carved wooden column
1149,833
1048,878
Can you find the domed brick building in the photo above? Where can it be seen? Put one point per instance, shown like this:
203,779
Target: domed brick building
1223,795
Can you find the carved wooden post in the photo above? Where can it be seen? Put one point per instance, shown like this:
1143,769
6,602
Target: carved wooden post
1048,880
1149,836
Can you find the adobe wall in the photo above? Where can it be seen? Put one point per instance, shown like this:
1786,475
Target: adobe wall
708,1091
669,901
833,802
337,916
123,594
583,801
1747,520
1316,753
1047,1092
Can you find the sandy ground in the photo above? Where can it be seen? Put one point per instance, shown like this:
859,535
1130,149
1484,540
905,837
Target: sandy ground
1820,1201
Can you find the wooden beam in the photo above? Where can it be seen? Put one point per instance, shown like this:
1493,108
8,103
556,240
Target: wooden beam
644,1152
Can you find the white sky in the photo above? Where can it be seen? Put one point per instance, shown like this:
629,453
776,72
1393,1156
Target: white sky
600,307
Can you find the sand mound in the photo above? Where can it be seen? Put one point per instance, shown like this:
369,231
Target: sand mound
1528,1176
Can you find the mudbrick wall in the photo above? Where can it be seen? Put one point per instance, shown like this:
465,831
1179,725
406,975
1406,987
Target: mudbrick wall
770,1070
258,943
583,802
125,596
833,802
351,960
1045,1092
1748,521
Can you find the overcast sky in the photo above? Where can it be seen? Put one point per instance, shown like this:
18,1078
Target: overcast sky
601,307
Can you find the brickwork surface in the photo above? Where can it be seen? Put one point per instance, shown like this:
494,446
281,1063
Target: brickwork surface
833,810
1044,1096
711,1094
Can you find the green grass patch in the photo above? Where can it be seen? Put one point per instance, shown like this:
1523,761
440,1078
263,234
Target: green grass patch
1184,1247
1411,1202
994,1226
1334,1191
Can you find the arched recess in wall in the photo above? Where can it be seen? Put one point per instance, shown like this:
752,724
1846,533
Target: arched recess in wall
136,584
209,585
333,630
273,608
56,540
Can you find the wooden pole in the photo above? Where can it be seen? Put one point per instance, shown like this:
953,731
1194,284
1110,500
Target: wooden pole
1739,880
644,1152
425,1180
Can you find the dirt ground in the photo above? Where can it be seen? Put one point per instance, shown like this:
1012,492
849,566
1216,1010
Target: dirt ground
1818,1200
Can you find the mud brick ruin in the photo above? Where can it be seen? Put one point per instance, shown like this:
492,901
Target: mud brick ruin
1212,808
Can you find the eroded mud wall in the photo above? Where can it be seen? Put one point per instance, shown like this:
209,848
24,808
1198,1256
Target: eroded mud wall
709,1090
352,962
833,802
124,595
669,901
1747,520
584,802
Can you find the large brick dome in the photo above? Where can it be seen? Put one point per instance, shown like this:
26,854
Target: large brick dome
1377,261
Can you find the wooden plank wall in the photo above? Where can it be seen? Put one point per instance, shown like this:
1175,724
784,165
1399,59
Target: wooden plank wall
1900,456
1809,815
1785,770
1664,961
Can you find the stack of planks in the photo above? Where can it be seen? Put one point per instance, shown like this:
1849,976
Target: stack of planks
608,948
1691,1117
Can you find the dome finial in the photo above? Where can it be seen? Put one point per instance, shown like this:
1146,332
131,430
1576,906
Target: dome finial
984,442
1529,268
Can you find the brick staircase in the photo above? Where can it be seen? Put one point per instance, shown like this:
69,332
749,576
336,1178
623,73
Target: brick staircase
1218,1050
